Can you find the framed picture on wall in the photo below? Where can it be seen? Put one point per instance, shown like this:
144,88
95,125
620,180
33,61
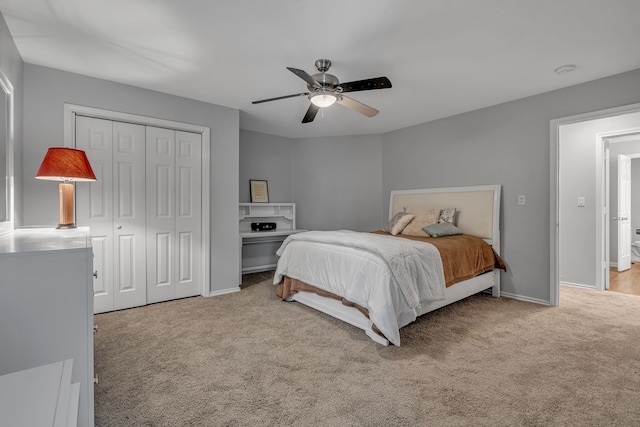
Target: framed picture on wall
259,191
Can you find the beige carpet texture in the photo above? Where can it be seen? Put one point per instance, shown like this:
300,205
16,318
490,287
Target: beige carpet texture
249,359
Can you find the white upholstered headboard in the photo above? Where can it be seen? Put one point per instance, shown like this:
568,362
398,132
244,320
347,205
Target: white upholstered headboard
477,207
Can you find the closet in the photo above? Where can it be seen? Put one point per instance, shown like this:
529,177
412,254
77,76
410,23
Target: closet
144,211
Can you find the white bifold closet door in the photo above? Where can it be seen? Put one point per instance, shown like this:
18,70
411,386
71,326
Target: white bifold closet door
173,214
143,211
114,209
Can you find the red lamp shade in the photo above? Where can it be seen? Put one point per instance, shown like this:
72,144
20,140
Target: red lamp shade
66,164
62,164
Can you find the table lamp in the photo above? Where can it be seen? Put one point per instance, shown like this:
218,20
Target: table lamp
66,165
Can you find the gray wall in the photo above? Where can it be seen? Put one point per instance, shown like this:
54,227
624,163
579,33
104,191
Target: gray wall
270,158
46,91
11,65
337,183
577,162
505,144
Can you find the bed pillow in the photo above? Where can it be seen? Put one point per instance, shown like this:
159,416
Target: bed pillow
447,215
423,217
442,229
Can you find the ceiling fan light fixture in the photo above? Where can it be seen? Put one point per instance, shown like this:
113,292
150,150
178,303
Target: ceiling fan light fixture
322,99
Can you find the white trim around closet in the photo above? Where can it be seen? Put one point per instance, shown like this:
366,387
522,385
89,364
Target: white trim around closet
70,113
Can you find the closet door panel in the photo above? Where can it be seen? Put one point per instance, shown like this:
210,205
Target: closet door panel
100,246
129,215
188,212
185,254
163,260
94,207
161,254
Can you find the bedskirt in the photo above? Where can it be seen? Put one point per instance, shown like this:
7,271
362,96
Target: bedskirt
288,286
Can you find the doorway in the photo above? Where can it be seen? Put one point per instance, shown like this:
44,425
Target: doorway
587,246
623,158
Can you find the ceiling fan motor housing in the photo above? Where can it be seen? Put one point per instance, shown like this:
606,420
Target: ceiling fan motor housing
328,82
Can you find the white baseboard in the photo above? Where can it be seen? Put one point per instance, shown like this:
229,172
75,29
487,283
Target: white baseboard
224,291
526,299
615,264
577,285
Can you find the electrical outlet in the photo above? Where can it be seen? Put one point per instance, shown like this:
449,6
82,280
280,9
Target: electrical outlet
521,199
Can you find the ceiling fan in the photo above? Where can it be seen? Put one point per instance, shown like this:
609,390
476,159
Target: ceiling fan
325,89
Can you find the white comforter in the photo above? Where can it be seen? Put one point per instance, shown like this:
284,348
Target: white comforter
389,276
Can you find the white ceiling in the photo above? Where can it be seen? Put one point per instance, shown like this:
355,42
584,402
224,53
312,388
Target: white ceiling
443,57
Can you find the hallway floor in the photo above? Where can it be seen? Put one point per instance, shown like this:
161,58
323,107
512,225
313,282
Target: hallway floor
626,282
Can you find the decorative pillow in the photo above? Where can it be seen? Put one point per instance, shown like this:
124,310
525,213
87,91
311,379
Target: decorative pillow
398,222
447,215
441,229
423,217
394,220
404,221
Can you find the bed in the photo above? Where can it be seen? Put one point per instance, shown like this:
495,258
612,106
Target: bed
380,282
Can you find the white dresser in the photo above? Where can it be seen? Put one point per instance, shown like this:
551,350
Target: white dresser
46,305
40,397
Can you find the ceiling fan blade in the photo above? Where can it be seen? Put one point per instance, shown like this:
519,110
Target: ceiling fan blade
281,97
305,76
357,106
311,113
368,84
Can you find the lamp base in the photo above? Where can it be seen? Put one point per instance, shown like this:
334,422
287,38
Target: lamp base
66,205
65,226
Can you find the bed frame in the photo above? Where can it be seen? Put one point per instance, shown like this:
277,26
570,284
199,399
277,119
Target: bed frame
477,213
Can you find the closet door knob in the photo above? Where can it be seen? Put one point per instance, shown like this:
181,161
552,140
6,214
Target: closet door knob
118,227
95,274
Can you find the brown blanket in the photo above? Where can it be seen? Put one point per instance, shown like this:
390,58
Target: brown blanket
463,256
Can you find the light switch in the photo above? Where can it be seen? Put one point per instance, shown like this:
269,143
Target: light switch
581,202
521,199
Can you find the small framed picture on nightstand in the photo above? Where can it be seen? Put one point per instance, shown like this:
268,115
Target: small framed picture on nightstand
259,191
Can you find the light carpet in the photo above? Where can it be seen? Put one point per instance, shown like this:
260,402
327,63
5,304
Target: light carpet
249,359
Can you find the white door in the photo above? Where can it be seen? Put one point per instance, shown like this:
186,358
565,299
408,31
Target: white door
188,213
114,208
94,207
129,216
624,212
605,223
173,214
